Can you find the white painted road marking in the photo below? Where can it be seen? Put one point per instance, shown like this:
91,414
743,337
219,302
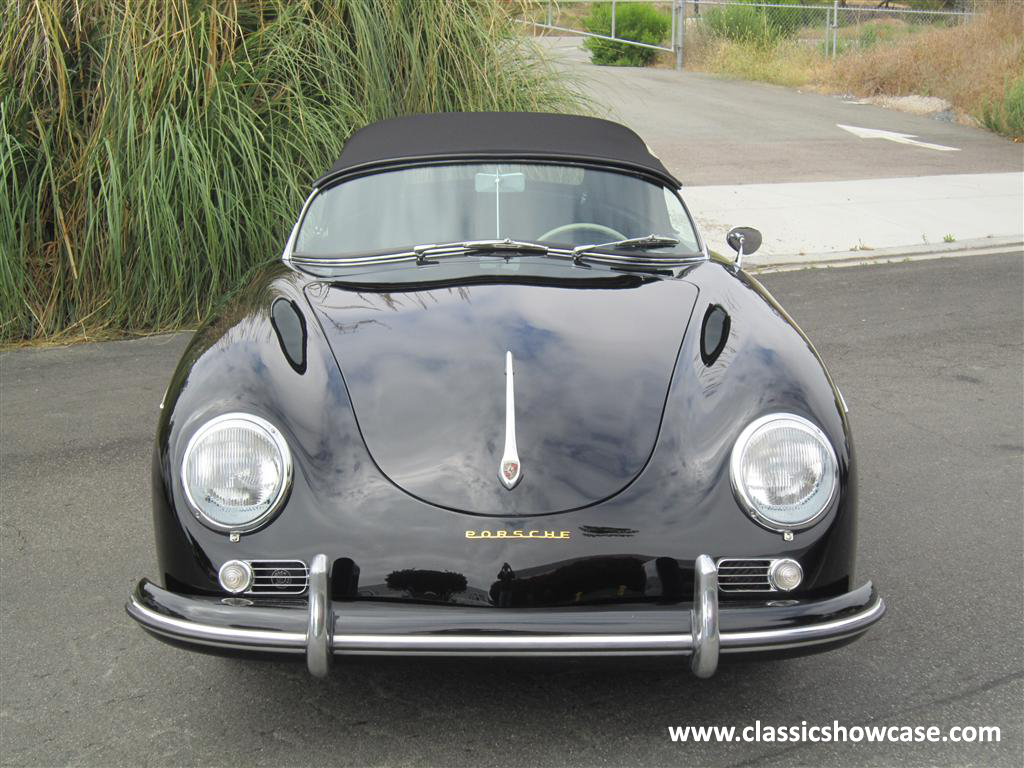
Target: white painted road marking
899,138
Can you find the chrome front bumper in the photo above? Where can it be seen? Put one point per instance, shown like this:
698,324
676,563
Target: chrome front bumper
321,629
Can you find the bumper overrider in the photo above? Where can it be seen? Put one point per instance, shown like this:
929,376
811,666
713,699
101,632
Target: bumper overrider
320,628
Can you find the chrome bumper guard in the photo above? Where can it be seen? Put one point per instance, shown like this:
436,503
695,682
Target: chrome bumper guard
321,641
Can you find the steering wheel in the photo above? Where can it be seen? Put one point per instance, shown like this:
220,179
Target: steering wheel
565,229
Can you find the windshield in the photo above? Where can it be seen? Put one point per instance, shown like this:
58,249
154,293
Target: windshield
554,204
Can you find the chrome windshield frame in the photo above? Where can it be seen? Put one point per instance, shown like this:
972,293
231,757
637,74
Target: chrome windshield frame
289,246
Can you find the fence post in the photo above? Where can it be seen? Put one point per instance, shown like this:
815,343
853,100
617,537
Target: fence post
680,34
549,13
614,14
828,30
835,28
673,28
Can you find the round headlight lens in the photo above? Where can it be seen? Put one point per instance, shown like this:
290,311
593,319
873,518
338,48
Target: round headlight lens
784,471
236,471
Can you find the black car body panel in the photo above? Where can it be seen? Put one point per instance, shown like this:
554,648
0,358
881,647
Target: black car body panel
424,371
677,504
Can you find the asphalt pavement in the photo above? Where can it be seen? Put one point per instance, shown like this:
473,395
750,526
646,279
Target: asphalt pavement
929,357
712,130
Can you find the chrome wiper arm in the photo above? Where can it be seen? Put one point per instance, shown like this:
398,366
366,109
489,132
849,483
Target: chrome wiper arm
648,241
477,246
420,253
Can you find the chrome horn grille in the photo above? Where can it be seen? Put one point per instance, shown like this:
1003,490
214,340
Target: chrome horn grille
736,575
278,577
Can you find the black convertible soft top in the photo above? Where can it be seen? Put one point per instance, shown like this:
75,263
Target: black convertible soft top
497,136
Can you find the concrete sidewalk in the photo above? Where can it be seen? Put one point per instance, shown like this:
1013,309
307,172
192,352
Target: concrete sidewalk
863,215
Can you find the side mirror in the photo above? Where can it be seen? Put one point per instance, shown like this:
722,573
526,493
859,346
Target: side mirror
743,240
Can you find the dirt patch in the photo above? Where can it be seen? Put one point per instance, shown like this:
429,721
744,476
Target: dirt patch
915,105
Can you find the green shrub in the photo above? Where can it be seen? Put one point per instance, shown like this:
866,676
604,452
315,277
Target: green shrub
1007,117
153,151
633,21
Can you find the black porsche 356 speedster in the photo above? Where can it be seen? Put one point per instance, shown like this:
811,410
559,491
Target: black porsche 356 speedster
497,398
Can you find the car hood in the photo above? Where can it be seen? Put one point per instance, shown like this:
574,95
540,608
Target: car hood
425,372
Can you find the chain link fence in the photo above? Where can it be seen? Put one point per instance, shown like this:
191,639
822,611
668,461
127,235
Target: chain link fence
654,26
832,26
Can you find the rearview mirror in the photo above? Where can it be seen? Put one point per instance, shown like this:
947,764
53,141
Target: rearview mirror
743,240
508,182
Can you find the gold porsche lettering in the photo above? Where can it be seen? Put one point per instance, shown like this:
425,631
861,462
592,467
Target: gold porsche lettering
503,534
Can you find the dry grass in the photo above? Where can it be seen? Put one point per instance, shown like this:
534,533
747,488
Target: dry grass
965,65
978,67
787,63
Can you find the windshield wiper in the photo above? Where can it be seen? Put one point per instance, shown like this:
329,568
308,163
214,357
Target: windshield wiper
648,241
477,246
507,247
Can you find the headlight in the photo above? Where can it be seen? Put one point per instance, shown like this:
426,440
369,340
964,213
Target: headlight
236,472
784,471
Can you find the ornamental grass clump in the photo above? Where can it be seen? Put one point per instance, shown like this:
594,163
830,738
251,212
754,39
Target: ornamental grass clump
1006,115
153,151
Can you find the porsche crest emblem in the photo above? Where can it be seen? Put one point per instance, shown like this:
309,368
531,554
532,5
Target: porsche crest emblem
509,470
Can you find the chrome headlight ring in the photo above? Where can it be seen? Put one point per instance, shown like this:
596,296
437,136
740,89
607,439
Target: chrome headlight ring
262,429
830,472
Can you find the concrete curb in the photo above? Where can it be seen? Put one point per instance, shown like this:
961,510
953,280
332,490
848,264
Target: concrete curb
977,247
